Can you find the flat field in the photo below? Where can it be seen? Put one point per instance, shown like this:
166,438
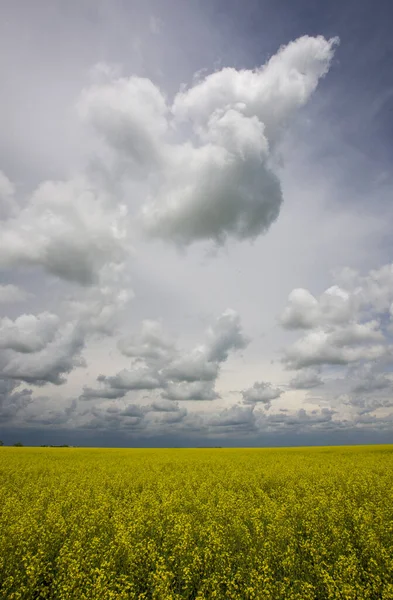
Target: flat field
304,523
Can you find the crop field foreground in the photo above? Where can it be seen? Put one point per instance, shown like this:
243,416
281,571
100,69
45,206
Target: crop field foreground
167,524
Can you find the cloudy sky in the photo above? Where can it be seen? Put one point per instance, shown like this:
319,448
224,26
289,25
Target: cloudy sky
195,222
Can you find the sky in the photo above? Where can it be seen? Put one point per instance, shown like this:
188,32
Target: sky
195,223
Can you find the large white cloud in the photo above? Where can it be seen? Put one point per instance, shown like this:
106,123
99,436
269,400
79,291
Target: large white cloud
209,179
272,92
205,160
222,184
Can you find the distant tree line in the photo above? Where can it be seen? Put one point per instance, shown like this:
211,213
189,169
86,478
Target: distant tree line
19,445
55,446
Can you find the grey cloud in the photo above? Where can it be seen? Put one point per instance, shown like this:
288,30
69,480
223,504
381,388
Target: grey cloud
137,379
12,399
300,421
179,375
53,417
133,410
104,392
152,344
304,311
49,365
301,311
202,364
130,114
261,392
347,324
372,383
319,348
163,405
306,379
99,309
68,228
192,367
28,333
224,336
369,378
44,348
197,390
124,381
373,291
236,418
357,333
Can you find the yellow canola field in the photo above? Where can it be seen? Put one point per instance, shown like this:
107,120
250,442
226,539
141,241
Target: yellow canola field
167,524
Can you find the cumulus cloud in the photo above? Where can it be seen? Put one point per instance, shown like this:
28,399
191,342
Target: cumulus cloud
159,364
236,418
161,416
130,115
192,367
28,333
197,390
261,393
68,228
373,292
152,344
218,180
369,378
225,336
139,379
203,363
163,405
304,311
45,348
285,82
300,421
124,381
306,379
337,348
49,363
99,309
214,182
345,325
222,184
